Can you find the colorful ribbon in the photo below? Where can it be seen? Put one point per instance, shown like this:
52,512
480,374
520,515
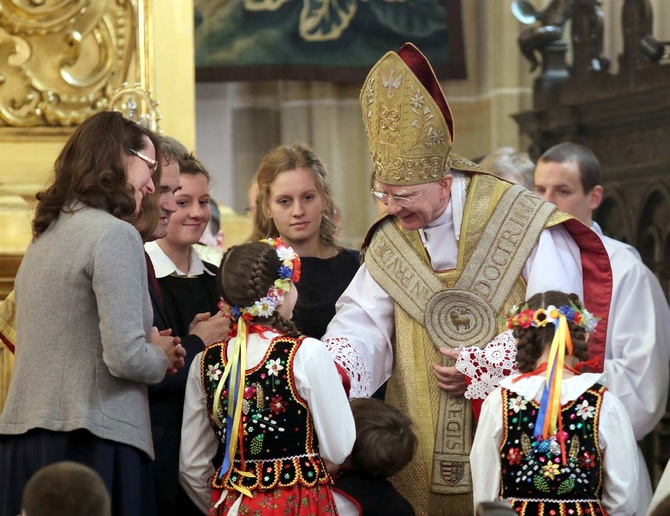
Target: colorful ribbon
549,415
233,377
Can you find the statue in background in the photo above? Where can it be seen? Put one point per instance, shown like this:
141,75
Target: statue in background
547,29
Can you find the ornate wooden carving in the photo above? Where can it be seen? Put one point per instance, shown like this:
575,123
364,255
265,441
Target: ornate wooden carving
625,119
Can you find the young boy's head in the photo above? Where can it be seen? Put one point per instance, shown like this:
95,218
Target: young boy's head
385,441
66,489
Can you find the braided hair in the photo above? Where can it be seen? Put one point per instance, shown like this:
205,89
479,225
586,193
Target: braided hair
246,274
532,341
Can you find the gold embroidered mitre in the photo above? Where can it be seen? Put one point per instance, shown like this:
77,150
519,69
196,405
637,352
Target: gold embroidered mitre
408,121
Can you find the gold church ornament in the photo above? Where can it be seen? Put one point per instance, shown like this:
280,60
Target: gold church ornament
137,104
60,59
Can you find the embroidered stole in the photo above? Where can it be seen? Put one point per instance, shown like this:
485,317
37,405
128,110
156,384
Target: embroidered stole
500,227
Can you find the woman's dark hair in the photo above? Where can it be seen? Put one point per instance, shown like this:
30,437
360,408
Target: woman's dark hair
532,341
91,169
291,157
146,220
385,441
246,274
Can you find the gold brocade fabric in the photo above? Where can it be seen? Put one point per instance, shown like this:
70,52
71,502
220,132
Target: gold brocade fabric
413,387
209,254
8,319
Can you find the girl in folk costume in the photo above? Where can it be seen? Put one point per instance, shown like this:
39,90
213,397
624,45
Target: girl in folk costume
263,409
551,440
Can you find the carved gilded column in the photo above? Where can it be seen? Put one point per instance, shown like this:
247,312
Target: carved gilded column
60,62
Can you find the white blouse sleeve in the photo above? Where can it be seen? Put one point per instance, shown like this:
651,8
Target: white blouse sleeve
620,463
485,453
359,336
319,383
198,442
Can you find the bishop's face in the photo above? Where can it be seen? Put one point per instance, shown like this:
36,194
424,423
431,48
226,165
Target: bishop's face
416,206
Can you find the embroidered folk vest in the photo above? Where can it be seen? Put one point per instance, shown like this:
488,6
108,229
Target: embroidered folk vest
279,444
532,474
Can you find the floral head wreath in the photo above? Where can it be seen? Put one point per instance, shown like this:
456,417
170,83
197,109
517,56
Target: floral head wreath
524,317
289,271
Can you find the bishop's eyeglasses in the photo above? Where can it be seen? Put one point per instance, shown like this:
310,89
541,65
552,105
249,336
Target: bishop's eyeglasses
400,200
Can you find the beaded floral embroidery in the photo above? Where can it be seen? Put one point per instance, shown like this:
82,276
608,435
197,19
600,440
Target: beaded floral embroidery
532,467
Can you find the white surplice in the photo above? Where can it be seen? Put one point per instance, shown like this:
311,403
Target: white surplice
638,346
615,437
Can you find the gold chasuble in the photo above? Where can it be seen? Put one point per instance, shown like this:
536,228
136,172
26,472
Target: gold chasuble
428,316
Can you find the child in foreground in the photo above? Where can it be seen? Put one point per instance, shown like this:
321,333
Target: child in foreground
263,410
385,443
66,488
551,440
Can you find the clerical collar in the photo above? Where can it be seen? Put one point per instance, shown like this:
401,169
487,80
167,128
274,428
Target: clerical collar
443,222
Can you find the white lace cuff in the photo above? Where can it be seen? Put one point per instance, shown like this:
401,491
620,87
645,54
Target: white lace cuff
488,366
347,356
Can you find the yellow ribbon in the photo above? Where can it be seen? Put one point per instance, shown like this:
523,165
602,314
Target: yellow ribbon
236,369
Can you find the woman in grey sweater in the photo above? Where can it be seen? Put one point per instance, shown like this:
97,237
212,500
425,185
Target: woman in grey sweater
86,349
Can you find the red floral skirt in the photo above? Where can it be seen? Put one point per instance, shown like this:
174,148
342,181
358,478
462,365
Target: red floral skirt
295,500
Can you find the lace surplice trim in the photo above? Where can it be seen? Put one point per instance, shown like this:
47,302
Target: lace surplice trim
347,356
488,366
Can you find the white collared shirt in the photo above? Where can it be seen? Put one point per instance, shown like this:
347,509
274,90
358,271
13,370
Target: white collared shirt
166,267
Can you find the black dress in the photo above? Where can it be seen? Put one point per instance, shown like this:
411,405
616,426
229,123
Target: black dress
321,284
185,296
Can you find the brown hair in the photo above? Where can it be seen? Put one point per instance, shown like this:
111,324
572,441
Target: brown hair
385,441
532,341
90,169
189,164
68,489
246,273
146,220
282,159
587,162
149,212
